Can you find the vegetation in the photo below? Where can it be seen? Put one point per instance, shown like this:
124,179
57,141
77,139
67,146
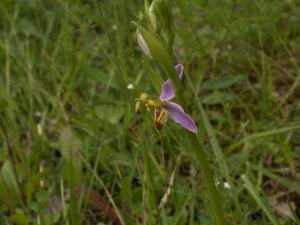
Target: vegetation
74,150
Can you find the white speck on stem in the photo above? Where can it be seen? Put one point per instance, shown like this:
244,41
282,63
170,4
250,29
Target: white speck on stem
130,86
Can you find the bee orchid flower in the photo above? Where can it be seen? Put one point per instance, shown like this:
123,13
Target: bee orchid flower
165,109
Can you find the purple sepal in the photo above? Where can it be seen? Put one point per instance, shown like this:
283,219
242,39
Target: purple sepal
167,89
179,116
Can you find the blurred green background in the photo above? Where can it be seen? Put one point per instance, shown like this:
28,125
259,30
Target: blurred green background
71,143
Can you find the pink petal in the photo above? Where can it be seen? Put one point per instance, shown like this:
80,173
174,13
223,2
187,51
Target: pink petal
179,116
167,89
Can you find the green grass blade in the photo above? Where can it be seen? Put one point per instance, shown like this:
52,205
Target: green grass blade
294,213
277,178
254,193
262,135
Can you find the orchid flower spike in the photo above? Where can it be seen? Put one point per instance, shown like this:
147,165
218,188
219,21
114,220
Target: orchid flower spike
165,109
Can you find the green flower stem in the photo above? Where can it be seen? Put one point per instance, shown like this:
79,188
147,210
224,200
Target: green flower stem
201,156
163,59
208,177
170,44
206,171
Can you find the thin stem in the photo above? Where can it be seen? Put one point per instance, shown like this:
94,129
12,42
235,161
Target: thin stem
208,177
201,156
170,44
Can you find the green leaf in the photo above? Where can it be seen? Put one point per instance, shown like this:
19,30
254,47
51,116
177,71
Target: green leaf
51,218
156,80
157,50
34,182
20,219
30,28
43,196
110,112
216,98
221,82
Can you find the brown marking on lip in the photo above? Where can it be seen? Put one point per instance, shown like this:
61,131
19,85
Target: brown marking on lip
158,124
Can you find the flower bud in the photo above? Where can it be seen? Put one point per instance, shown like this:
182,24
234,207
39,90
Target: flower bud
154,21
143,44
